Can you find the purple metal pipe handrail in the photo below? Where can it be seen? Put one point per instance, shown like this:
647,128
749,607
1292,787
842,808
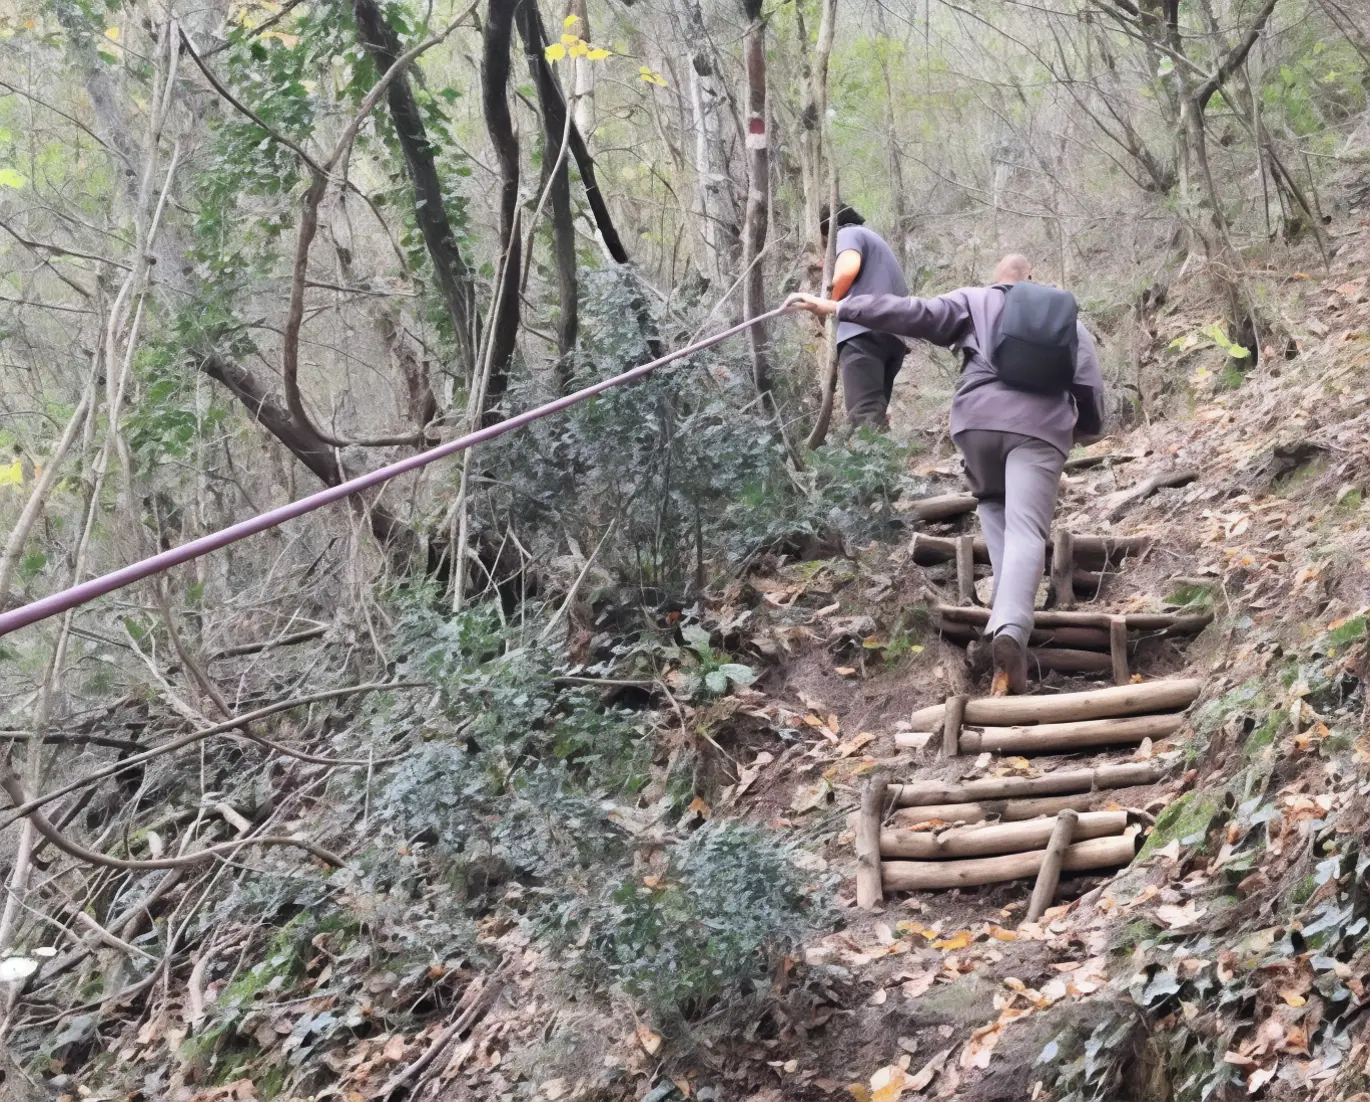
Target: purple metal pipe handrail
98,587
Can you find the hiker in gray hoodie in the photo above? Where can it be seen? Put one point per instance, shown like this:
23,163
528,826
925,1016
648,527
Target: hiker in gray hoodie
1014,442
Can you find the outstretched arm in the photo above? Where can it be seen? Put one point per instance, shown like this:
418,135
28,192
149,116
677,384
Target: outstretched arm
1087,390
943,320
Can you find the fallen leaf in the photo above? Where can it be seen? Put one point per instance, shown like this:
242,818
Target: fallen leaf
1259,1078
698,805
1293,998
957,941
999,933
649,1041
928,1071
1178,917
844,671
888,1084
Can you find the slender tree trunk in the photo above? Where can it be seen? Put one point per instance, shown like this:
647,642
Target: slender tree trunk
499,29
758,195
582,73
556,129
453,274
717,220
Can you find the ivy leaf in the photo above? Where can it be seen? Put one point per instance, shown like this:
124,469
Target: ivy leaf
716,681
737,673
555,52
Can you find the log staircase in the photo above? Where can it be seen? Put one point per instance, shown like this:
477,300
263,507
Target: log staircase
935,835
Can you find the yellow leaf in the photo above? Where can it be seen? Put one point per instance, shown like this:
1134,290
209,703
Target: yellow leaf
570,21
651,76
956,941
859,1092
1000,934
580,49
112,33
1293,998
598,54
569,39
555,52
13,475
888,1083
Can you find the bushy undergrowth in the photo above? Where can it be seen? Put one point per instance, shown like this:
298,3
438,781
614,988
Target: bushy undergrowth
688,464
708,924
525,794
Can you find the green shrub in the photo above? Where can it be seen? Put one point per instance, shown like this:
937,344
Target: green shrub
709,927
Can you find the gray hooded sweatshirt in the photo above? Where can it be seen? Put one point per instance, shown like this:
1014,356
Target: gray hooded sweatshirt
965,320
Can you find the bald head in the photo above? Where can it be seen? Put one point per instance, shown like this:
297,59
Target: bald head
1012,269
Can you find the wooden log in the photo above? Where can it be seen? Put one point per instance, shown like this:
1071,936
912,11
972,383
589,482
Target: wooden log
1091,552
1049,875
916,876
985,841
1063,568
1062,738
1086,583
1078,638
943,506
965,570
951,726
1008,811
1172,623
1083,462
869,893
1118,503
1068,661
1117,700
1117,649
1012,788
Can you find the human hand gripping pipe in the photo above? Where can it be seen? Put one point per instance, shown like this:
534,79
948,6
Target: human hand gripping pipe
97,587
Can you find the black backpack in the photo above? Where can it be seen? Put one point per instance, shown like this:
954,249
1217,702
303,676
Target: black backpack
1035,341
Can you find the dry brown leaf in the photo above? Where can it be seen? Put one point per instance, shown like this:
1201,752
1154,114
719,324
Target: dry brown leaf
928,1071
698,805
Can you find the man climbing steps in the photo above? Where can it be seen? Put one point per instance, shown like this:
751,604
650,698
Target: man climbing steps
1030,388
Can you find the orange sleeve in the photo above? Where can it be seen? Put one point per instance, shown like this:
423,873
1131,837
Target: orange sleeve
845,271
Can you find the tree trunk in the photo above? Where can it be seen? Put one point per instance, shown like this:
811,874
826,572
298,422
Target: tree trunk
499,29
758,195
582,73
718,220
557,179
449,266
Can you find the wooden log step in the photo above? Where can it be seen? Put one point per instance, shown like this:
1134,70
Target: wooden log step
1076,638
1007,811
914,876
1171,623
1065,833
1064,660
942,506
1091,552
1117,700
1060,783
1062,738
985,841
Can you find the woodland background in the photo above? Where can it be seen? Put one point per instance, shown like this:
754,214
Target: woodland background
251,249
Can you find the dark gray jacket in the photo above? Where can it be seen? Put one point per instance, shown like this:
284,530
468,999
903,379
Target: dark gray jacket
965,319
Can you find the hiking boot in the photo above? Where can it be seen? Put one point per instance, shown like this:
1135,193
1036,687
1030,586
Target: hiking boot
1010,666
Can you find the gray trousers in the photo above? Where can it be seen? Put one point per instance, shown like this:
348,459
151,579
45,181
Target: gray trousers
869,362
1016,479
